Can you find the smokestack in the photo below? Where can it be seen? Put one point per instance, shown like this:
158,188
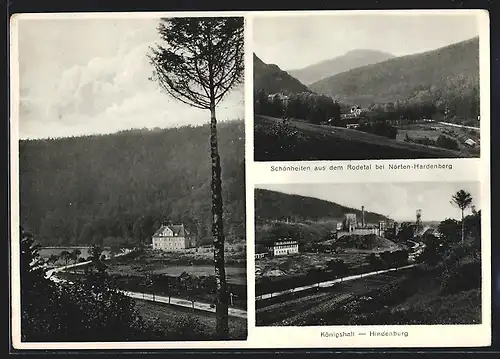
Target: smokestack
363,216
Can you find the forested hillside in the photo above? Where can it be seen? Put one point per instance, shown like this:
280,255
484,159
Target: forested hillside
82,190
346,62
272,205
447,77
271,79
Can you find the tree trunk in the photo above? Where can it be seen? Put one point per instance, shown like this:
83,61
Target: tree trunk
222,327
463,232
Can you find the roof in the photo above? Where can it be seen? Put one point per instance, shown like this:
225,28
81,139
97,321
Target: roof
281,241
177,229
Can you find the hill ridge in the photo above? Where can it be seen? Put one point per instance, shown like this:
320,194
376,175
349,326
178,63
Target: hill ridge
401,78
272,79
309,208
328,67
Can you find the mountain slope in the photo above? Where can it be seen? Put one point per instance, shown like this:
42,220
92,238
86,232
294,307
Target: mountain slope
271,205
350,60
272,79
80,190
450,71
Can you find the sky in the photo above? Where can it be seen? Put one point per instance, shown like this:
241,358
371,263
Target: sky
398,201
297,41
91,76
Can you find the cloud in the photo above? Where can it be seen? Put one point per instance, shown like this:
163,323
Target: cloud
107,94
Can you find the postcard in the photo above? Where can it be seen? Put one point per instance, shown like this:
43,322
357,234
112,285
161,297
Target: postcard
293,179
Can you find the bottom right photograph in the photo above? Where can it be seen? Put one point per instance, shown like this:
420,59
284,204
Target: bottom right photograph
368,254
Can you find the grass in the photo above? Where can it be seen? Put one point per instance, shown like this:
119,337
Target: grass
172,264
169,315
298,308
417,131
318,142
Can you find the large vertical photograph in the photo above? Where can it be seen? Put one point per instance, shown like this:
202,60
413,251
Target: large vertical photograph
131,179
355,86
368,254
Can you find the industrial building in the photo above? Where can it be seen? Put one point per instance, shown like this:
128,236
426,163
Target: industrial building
350,226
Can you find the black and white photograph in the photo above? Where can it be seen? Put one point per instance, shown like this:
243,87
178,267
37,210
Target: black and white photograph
370,85
368,254
131,158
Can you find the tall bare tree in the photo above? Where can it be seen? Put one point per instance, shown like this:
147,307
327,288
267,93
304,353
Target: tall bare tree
200,62
462,200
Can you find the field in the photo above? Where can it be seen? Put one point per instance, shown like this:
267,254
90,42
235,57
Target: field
318,142
434,130
299,264
235,275
234,254
195,324
298,308
172,264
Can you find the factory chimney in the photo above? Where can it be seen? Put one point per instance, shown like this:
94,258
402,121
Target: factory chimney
363,216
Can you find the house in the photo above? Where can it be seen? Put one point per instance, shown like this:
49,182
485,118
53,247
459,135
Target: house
260,255
353,118
261,251
173,237
284,247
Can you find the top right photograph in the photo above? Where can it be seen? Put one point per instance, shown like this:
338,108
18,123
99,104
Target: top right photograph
364,86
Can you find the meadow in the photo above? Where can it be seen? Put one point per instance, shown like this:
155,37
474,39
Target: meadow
306,141
188,323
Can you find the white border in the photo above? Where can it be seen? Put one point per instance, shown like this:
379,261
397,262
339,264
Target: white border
290,337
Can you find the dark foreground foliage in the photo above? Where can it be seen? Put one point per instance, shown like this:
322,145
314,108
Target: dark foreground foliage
91,309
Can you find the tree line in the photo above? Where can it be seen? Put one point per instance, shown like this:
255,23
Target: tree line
452,104
70,193
308,106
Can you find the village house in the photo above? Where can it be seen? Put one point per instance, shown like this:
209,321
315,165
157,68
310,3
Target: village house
173,237
352,119
284,247
260,251
260,255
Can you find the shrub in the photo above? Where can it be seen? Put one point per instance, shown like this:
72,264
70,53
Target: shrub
463,276
381,128
447,142
187,328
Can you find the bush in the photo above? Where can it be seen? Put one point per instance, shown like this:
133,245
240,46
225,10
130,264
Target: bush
447,142
187,328
380,128
463,276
